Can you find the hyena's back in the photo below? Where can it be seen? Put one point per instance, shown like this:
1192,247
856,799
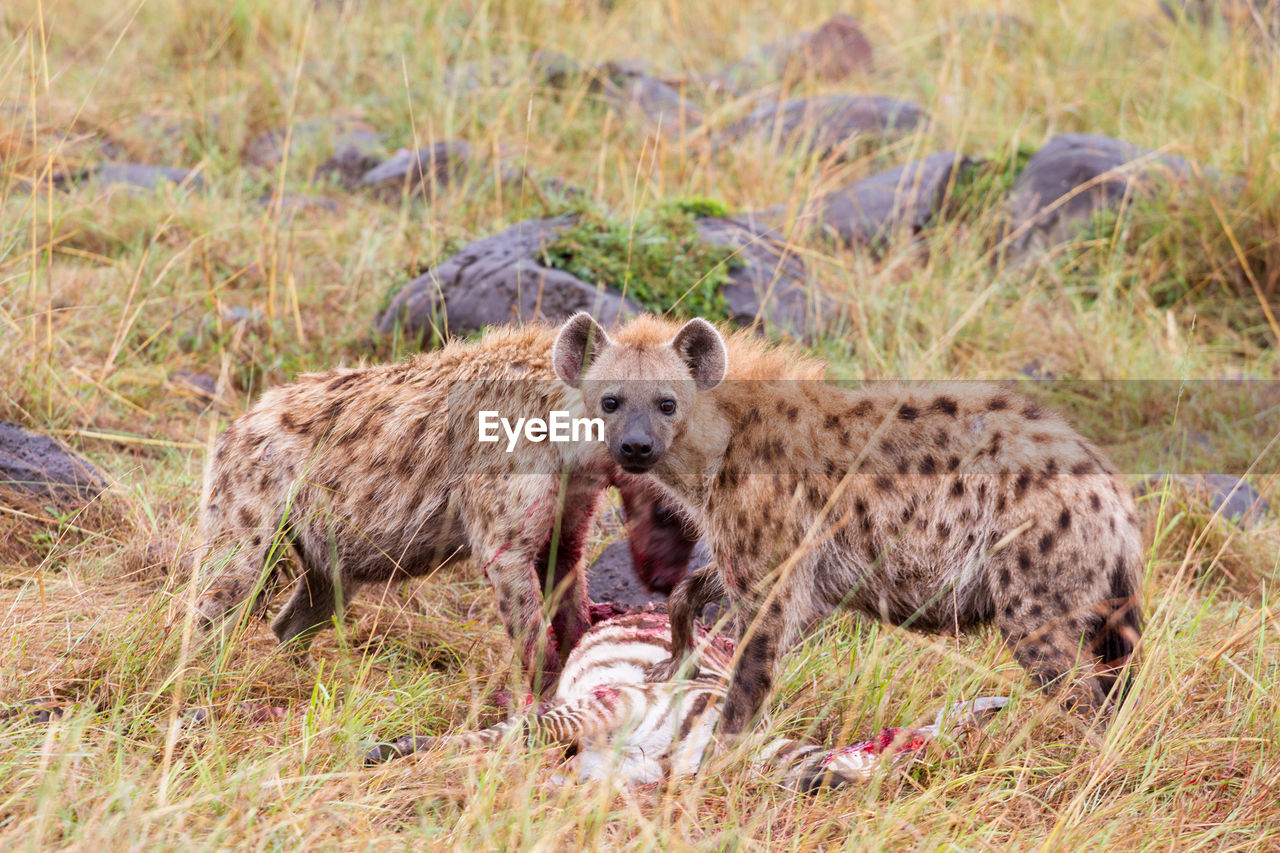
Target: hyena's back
945,507
976,499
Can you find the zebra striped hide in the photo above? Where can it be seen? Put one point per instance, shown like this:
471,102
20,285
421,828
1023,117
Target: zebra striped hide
639,731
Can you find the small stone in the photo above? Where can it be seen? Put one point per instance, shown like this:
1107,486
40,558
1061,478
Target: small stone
193,717
37,465
435,165
43,710
250,317
201,388
836,50
661,104
1232,497
555,69
141,176
332,137
827,125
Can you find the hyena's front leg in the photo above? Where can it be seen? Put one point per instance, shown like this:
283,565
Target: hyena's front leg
315,597
571,606
688,600
509,547
660,540
243,569
773,619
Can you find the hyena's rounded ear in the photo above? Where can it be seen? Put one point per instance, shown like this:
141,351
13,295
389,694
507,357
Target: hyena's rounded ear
580,341
700,346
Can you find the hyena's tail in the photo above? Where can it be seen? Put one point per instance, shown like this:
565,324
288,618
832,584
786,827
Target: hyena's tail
1119,628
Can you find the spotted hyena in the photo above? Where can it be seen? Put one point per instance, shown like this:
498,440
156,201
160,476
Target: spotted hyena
375,473
937,507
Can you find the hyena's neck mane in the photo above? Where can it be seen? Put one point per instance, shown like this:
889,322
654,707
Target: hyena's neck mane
758,375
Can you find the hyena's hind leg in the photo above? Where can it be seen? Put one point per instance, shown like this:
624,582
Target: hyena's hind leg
315,597
1073,646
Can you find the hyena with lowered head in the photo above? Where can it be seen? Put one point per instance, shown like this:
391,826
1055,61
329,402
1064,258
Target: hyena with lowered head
372,474
935,507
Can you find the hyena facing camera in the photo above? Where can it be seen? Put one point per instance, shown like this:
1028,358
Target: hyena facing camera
936,507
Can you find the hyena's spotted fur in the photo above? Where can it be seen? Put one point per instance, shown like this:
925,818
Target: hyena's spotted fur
373,473
638,731
934,507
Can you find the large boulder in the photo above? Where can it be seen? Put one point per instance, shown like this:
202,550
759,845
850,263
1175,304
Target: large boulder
827,125
902,199
767,280
1071,179
495,280
36,465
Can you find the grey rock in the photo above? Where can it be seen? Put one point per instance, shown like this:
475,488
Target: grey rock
436,164
904,198
141,176
661,104
251,317
835,50
46,709
827,125
1072,178
611,578
353,156
324,136
769,283
37,465
200,388
292,203
1235,497
499,279
555,69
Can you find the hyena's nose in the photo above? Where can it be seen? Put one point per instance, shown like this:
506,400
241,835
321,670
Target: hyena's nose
636,448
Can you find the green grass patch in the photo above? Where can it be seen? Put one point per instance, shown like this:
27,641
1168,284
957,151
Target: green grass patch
657,258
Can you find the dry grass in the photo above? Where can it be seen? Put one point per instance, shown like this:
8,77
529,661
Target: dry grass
104,295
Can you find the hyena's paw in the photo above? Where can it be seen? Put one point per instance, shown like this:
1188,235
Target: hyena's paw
381,753
670,669
210,611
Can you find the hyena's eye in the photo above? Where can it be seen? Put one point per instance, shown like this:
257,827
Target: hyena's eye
609,404
667,407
